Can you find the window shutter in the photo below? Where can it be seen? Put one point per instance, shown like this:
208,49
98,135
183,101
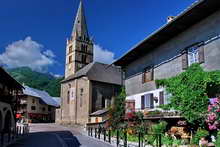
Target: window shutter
161,98
184,60
151,100
152,74
201,54
142,102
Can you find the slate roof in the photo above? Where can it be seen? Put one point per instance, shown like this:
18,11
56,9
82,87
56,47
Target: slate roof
58,100
98,72
44,96
190,16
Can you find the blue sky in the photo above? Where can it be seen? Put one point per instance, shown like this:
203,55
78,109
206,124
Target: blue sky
36,30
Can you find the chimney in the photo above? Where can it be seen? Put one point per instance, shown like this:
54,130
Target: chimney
170,18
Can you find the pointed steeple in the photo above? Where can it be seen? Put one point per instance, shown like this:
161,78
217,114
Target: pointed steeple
80,27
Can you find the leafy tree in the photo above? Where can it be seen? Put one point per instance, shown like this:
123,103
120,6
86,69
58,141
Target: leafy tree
117,111
190,91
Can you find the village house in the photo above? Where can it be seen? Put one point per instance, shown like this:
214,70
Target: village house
9,96
37,106
191,37
88,86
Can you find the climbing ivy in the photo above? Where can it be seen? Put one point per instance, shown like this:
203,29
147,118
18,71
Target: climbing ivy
190,91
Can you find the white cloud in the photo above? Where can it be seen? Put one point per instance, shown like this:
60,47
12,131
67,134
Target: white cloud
56,75
27,53
49,53
103,55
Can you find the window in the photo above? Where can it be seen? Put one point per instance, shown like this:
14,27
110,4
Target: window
83,58
193,55
33,108
70,49
43,109
84,48
147,101
33,101
161,98
68,97
81,91
70,59
147,75
81,98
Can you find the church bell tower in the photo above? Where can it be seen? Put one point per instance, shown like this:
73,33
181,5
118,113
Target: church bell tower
79,47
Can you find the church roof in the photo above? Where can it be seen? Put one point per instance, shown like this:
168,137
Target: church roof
80,27
98,72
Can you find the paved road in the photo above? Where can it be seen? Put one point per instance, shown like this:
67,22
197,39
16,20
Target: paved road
51,135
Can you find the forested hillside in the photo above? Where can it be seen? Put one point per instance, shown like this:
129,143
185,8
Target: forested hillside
37,80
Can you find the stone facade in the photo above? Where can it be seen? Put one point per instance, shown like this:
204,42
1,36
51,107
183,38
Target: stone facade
88,86
81,97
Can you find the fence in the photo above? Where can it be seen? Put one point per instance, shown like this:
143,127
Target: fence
10,136
120,137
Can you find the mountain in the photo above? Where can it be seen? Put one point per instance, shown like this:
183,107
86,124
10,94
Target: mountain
42,81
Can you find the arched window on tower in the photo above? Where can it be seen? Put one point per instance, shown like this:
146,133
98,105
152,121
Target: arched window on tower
82,47
86,49
83,59
70,59
71,49
68,97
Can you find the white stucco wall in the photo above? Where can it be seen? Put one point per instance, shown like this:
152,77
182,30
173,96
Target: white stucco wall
137,97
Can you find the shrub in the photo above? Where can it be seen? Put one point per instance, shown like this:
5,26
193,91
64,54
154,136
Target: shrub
154,131
217,142
167,140
159,128
199,134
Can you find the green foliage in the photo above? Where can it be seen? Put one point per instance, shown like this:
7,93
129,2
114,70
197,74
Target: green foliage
167,141
140,125
154,130
118,110
199,134
159,128
189,92
37,80
165,107
217,143
132,138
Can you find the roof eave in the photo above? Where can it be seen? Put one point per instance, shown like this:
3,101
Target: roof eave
121,61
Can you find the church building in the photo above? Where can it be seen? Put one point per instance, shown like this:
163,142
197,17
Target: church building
88,86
